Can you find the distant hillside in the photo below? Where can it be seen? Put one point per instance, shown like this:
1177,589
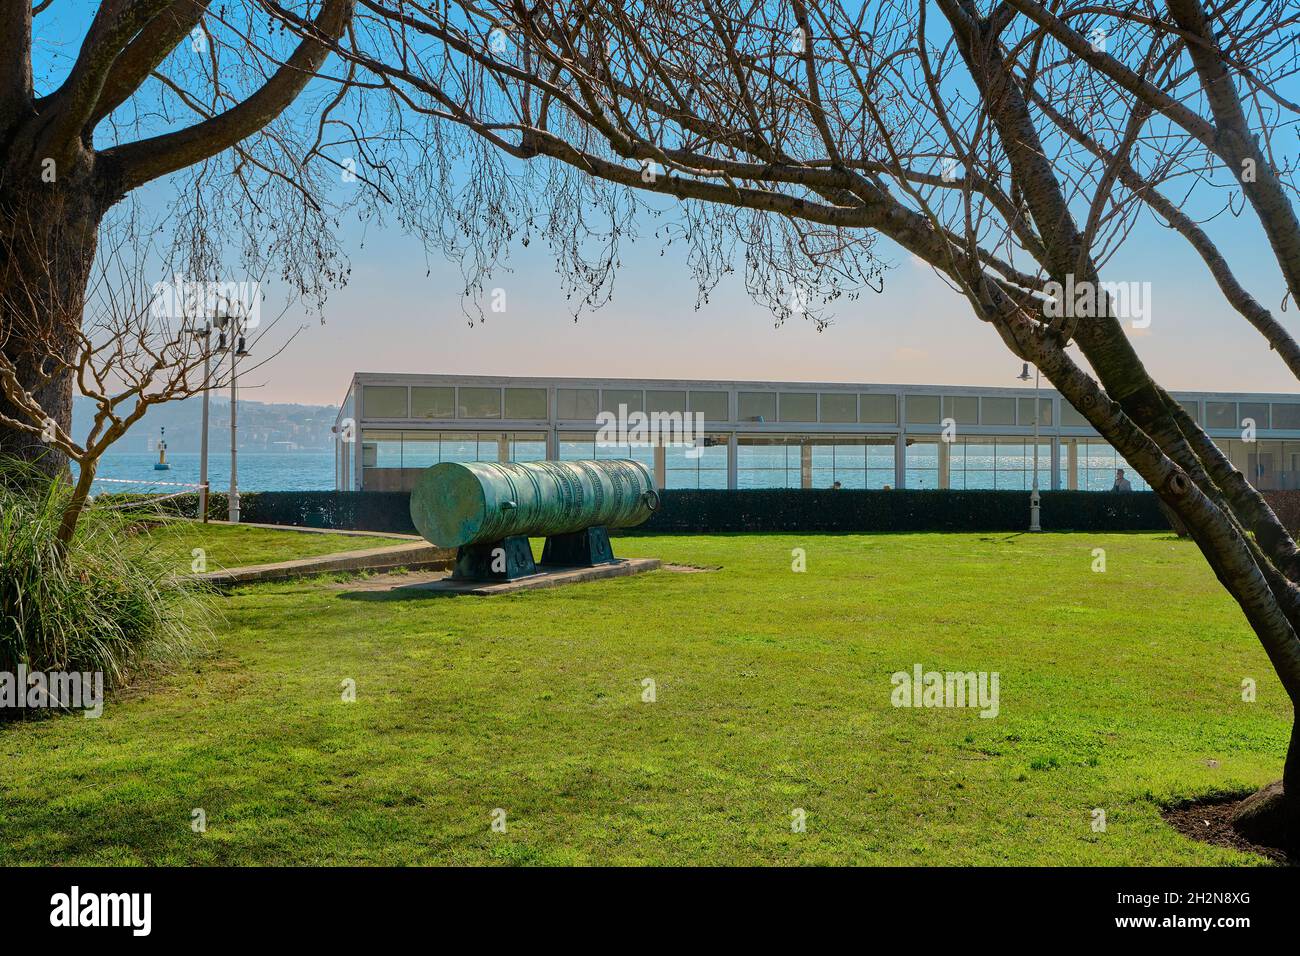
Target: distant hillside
261,425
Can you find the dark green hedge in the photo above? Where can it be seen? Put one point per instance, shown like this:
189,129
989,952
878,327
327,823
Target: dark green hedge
775,509
346,510
780,509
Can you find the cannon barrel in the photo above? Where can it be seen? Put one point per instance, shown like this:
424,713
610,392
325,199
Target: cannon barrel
455,504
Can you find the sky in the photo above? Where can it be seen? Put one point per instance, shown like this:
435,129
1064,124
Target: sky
392,318
401,312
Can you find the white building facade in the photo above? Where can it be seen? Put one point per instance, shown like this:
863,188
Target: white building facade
778,434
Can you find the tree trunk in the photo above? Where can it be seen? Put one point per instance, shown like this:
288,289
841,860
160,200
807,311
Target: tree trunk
76,504
48,234
1291,795
1271,816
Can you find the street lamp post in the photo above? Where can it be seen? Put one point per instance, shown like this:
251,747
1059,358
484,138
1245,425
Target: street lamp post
232,499
206,335
237,351
1034,497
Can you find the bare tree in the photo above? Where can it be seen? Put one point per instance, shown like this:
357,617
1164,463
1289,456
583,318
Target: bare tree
159,87
991,140
143,342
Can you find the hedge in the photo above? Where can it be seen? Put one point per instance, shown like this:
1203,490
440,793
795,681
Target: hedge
775,509
344,510
780,509
1286,504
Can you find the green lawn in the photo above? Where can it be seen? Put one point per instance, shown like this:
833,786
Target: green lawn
1119,691
230,546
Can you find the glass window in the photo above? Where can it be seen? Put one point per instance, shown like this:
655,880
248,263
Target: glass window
1009,465
612,398
778,461
768,461
1286,415
575,403
1289,471
384,401
839,459
438,401
461,446
577,446
922,463
574,446
1257,411
1098,463
756,406
1026,407
382,449
880,462
476,402
658,400
798,406
854,461
997,411
421,449
525,403
527,446
713,405
839,407
1221,414
982,464
703,467
1192,407
922,409
1264,464
972,464
962,409
879,409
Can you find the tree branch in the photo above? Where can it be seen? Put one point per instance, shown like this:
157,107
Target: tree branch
134,164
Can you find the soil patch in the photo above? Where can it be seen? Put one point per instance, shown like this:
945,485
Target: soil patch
1210,821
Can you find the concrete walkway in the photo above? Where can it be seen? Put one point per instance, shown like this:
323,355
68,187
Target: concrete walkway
306,530
545,578
414,555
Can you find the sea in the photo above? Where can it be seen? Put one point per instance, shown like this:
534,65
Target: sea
759,468
258,471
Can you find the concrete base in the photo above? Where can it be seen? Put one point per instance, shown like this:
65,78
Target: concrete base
414,556
544,579
345,532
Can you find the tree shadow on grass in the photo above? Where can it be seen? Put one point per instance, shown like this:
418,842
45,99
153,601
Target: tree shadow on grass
401,592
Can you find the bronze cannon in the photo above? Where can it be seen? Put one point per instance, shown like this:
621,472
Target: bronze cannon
488,511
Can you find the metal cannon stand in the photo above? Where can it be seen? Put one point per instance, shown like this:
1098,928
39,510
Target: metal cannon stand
512,558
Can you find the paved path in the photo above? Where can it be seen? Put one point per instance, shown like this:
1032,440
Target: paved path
305,530
415,555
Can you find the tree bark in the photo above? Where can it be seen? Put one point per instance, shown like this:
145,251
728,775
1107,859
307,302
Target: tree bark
1269,817
72,512
48,237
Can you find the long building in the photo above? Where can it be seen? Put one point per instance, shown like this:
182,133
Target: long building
778,434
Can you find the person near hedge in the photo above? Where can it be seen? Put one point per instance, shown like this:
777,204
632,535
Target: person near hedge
1121,483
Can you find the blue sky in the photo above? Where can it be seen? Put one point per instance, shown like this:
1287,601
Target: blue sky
394,317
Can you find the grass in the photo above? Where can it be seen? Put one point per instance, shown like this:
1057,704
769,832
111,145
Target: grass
101,602
1119,691
230,546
